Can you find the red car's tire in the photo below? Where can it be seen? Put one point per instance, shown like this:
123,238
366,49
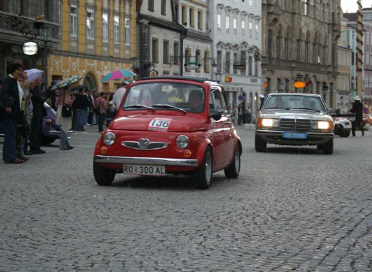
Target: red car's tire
103,176
234,168
203,176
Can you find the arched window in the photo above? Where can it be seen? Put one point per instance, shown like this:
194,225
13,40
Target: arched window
307,47
287,43
299,44
278,42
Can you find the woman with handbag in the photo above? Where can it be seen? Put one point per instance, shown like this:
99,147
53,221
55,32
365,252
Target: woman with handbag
64,116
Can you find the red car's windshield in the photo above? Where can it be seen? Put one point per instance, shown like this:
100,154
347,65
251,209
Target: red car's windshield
166,95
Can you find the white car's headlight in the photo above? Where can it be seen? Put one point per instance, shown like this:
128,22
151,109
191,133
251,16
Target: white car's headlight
109,138
182,141
324,125
267,123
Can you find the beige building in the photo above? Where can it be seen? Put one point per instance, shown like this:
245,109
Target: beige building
300,40
343,95
96,37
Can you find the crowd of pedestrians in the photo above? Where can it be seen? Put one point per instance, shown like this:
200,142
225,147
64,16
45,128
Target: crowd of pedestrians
22,112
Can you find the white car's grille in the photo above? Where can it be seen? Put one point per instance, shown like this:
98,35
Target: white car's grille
295,124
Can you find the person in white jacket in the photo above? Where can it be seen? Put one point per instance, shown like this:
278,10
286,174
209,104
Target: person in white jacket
119,94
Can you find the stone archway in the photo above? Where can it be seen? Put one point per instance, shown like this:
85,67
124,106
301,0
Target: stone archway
90,81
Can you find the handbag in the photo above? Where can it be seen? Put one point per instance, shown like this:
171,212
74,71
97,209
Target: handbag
66,111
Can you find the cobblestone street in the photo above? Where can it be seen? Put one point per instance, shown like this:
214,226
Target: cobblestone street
291,209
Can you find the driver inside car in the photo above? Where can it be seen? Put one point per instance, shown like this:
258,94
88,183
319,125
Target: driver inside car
278,103
196,101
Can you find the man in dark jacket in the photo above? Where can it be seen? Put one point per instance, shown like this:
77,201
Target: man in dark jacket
80,104
10,100
38,99
357,109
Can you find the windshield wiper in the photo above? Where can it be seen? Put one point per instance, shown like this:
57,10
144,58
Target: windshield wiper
138,106
306,109
167,106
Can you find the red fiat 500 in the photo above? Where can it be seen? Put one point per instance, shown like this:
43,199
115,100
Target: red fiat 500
170,125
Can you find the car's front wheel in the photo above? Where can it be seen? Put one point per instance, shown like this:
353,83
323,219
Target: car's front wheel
344,133
102,175
259,143
328,147
203,176
233,170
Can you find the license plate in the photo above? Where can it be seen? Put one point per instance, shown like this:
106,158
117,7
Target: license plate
146,170
294,135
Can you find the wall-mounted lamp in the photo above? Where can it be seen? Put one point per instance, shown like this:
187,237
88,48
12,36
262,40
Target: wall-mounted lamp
134,62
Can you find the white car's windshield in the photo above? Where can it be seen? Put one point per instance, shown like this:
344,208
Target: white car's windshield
166,96
294,102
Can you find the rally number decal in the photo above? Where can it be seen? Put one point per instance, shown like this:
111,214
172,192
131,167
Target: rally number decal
159,124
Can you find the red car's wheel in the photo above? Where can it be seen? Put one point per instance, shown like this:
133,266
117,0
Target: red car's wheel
102,175
234,168
203,176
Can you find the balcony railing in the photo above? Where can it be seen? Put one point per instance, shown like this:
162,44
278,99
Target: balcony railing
29,28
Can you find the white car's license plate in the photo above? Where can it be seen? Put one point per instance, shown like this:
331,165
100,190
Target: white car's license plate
148,170
294,135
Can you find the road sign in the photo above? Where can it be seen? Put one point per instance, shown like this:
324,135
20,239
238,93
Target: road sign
325,88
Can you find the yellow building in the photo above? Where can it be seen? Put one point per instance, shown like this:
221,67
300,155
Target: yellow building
97,36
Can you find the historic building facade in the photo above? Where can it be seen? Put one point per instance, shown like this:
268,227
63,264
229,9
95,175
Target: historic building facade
160,38
192,15
344,59
300,43
367,54
236,49
97,37
367,76
28,21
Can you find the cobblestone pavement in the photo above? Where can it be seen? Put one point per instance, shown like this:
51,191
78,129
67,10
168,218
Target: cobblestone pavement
291,209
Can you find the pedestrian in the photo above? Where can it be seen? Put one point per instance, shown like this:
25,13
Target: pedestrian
38,99
95,115
249,115
74,92
357,109
10,100
90,107
65,98
365,109
240,114
110,113
81,104
51,96
100,105
119,94
235,114
23,126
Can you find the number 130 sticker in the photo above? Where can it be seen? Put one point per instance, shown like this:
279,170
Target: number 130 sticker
159,124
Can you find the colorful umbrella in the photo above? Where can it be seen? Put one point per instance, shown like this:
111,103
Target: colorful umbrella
33,74
121,73
66,82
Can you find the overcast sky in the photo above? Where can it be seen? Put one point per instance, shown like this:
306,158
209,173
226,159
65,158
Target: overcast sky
351,5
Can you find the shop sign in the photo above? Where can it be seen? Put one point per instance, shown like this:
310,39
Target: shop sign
299,84
30,48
